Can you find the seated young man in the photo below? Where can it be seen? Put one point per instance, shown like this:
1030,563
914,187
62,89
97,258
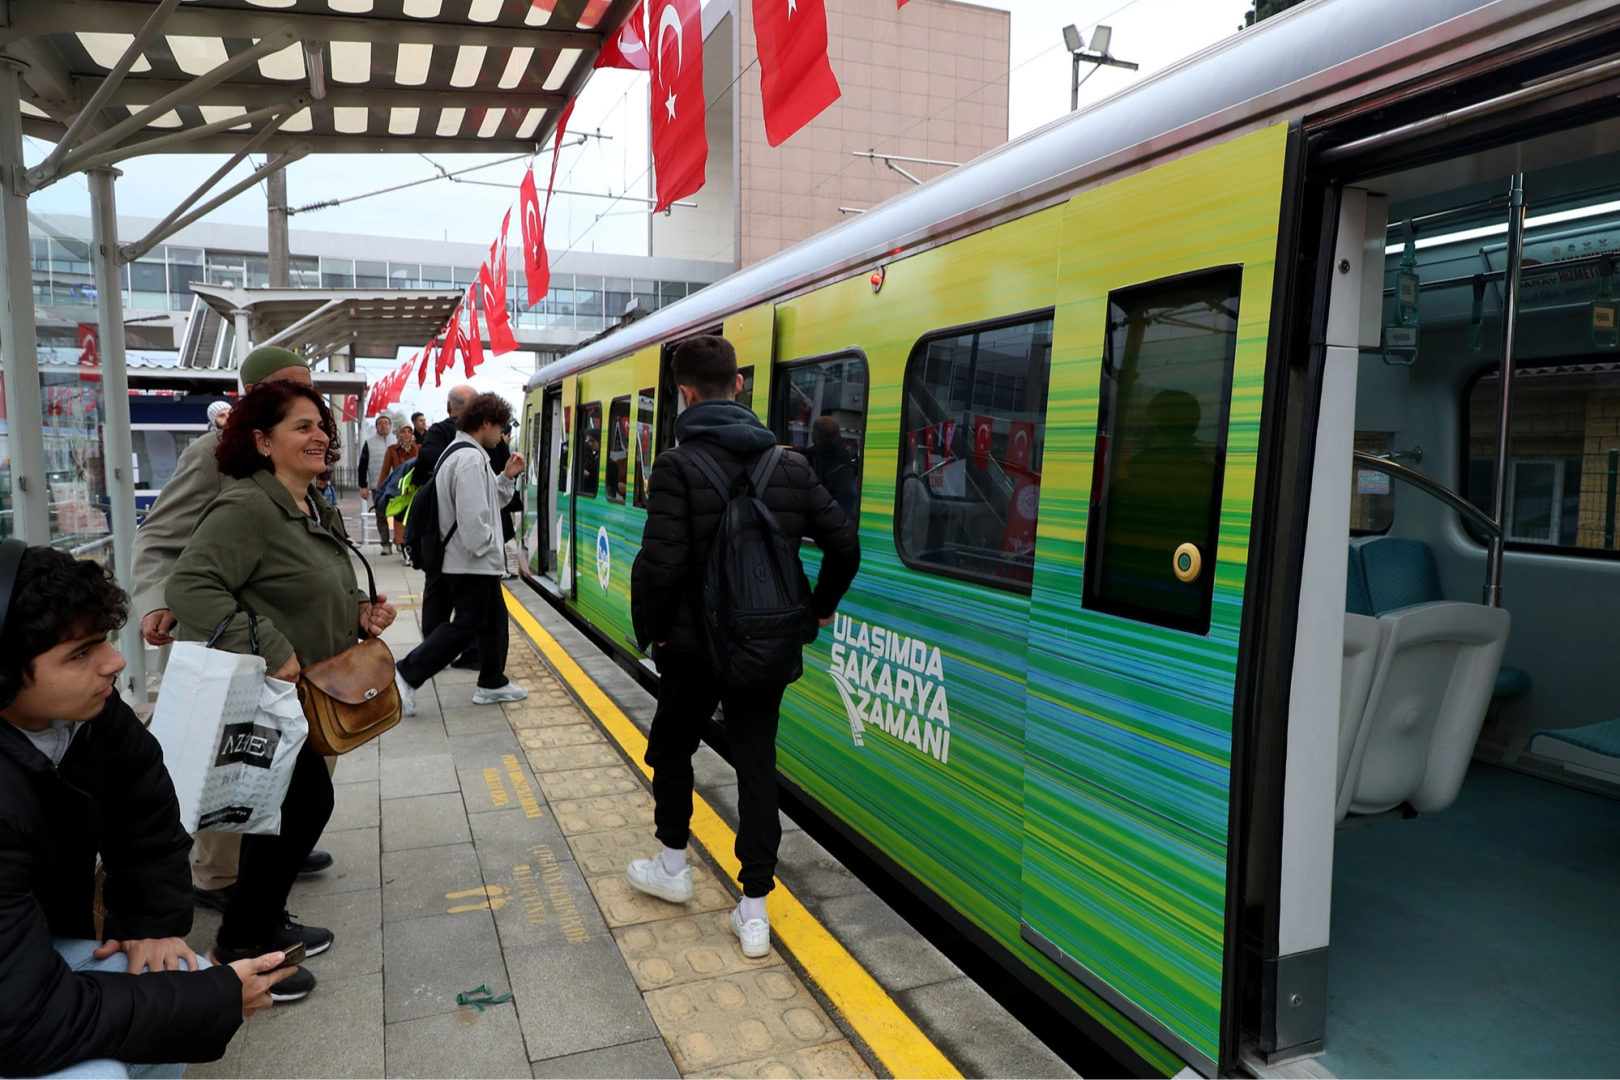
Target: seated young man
80,776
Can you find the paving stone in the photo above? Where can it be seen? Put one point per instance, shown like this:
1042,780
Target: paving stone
831,1061
424,821
463,1043
607,853
498,777
710,770
811,872
647,1058
427,962
591,783
623,905
358,766
430,881
544,715
887,946
604,813
416,735
354,862
573,998
355,919
336,1031
670,952
407,777
456,679
562,758
354,806
979,1036
229,1065
741,1017
551,738
460,721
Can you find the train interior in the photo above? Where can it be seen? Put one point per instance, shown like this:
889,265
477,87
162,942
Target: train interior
1476,858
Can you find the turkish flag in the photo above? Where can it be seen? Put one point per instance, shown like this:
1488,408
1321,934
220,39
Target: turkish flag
1020,445
1022,511
947,437
427,359
627,49
472,353
89,353
493,294
452,345
796,80
680,143
536,270
983,428
351,406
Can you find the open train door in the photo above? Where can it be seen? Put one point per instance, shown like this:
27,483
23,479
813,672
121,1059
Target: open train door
1164,302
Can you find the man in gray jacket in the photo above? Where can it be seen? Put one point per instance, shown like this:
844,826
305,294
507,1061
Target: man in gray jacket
372,451
470,498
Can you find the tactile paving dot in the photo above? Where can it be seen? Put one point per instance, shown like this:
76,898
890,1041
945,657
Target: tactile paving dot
603,813
606,853
672,952
565,758
576,734
746,1016
587,783
544,715
623,905
827,1062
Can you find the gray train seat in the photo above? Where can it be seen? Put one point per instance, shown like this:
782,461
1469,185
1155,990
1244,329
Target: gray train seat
1362,637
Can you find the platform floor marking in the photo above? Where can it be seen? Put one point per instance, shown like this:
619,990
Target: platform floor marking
893,1036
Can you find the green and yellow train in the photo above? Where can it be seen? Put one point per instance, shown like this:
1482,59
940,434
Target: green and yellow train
1093,400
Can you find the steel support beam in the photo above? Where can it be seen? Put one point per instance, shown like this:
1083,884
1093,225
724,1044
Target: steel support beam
162,233
25,429
379,143
258,95
1504,432
117,444
175,140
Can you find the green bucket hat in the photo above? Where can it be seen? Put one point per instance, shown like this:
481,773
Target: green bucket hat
265,361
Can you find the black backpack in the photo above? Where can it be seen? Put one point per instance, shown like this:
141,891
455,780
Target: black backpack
424,547
756,598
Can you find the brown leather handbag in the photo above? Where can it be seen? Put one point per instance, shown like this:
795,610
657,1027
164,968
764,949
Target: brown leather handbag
351,698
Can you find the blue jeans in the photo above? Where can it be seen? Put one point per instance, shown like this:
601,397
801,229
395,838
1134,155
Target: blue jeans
80,957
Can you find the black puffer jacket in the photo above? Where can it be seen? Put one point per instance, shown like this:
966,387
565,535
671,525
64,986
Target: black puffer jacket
112,795
683,515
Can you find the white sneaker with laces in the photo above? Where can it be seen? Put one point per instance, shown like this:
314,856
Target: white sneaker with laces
649,876
755,934
510,692
407,695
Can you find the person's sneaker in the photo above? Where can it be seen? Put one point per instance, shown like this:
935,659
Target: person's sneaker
317,862
510,692
755,934
650,877
294,987
316,939
407,694
217,899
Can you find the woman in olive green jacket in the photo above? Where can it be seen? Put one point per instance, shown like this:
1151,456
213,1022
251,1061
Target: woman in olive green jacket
269,546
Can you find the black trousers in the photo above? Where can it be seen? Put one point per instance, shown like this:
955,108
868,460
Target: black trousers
438,601
687,696
385,535
479,619
269,864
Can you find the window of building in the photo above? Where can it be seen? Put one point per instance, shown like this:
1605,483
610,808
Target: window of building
644,445
337,273
819,409
670,291
1563,488
590,450
616,293
1372,493
404,275
370,275
618,449
303,272
181,275
436,277
973,429
258,271
1161,449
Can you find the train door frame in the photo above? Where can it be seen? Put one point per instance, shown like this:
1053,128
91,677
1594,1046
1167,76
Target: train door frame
548,446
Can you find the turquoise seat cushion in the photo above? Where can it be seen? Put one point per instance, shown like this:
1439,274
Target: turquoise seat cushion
1399,572
1511,682
1601,738
1356,600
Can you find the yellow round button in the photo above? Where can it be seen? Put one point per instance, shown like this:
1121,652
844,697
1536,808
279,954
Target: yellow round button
1188,563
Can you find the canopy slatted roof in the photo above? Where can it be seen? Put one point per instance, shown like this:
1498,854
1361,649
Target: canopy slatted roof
301,76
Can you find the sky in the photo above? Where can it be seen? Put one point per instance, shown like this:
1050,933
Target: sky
612,157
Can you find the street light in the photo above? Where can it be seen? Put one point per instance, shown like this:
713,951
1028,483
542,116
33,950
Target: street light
1097,57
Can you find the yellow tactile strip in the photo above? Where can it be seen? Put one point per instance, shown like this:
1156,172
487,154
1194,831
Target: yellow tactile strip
720,1013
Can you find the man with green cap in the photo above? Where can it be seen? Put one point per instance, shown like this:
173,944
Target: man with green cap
195,484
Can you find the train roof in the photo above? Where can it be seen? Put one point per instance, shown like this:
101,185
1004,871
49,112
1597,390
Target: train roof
1322,54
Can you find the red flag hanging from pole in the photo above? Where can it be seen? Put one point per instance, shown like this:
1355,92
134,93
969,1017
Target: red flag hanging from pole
627,49
796,80
536,271
492,291
427,359
680,143
472,352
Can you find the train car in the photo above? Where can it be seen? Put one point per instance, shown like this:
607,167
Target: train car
1227,656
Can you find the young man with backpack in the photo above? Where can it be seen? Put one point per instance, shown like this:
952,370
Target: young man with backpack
718,592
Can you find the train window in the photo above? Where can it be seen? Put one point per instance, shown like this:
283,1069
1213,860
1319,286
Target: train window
643,445
1372,493
1161,449
618,449
820,411
589,456
973,428
745,396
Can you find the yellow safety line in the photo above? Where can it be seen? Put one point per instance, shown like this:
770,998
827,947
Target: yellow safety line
892,1035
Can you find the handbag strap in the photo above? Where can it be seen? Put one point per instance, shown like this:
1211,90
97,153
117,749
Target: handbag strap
225,624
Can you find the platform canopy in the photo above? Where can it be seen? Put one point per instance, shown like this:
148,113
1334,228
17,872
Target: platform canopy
321,322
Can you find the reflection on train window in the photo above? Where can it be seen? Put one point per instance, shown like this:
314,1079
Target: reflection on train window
1563,486
564,487
1161,449
973,429
618,449
820,411
590,450
745,396
1372,494
643,445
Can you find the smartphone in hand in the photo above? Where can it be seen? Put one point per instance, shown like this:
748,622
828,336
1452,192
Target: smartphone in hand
294,957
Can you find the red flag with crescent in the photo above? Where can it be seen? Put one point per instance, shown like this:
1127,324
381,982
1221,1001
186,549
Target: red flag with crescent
492,292
796,80
627,49
983,428
427,361
680,143
1020,445
472,352
536,271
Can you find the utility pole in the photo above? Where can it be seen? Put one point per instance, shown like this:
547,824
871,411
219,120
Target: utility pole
1097,57
280,252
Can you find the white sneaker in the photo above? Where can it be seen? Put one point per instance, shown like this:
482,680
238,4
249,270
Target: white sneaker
407,695
650,877
755,934
510,692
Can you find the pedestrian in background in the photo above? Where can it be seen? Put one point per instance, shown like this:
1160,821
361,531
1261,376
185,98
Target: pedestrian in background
419,425
437,602
217,412
403,450
372,452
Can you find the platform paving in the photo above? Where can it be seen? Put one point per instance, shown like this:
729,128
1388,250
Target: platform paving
485,847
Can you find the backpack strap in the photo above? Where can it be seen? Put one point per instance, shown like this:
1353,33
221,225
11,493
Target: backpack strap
710,469
764,470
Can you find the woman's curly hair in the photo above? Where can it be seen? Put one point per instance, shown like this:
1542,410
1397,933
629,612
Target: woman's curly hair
261,409
58,598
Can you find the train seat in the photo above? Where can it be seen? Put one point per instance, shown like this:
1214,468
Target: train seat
1436,669
1592,750
1362,637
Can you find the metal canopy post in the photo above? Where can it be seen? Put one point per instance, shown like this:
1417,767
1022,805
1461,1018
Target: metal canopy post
25,428
1510,320
118,445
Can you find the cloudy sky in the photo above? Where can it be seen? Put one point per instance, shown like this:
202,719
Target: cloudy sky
1153,33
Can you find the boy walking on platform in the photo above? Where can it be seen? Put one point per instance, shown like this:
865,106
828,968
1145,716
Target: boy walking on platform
684,512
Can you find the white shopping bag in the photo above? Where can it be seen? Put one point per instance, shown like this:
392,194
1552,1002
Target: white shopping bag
230,737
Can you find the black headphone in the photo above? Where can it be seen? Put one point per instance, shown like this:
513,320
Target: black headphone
11,557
